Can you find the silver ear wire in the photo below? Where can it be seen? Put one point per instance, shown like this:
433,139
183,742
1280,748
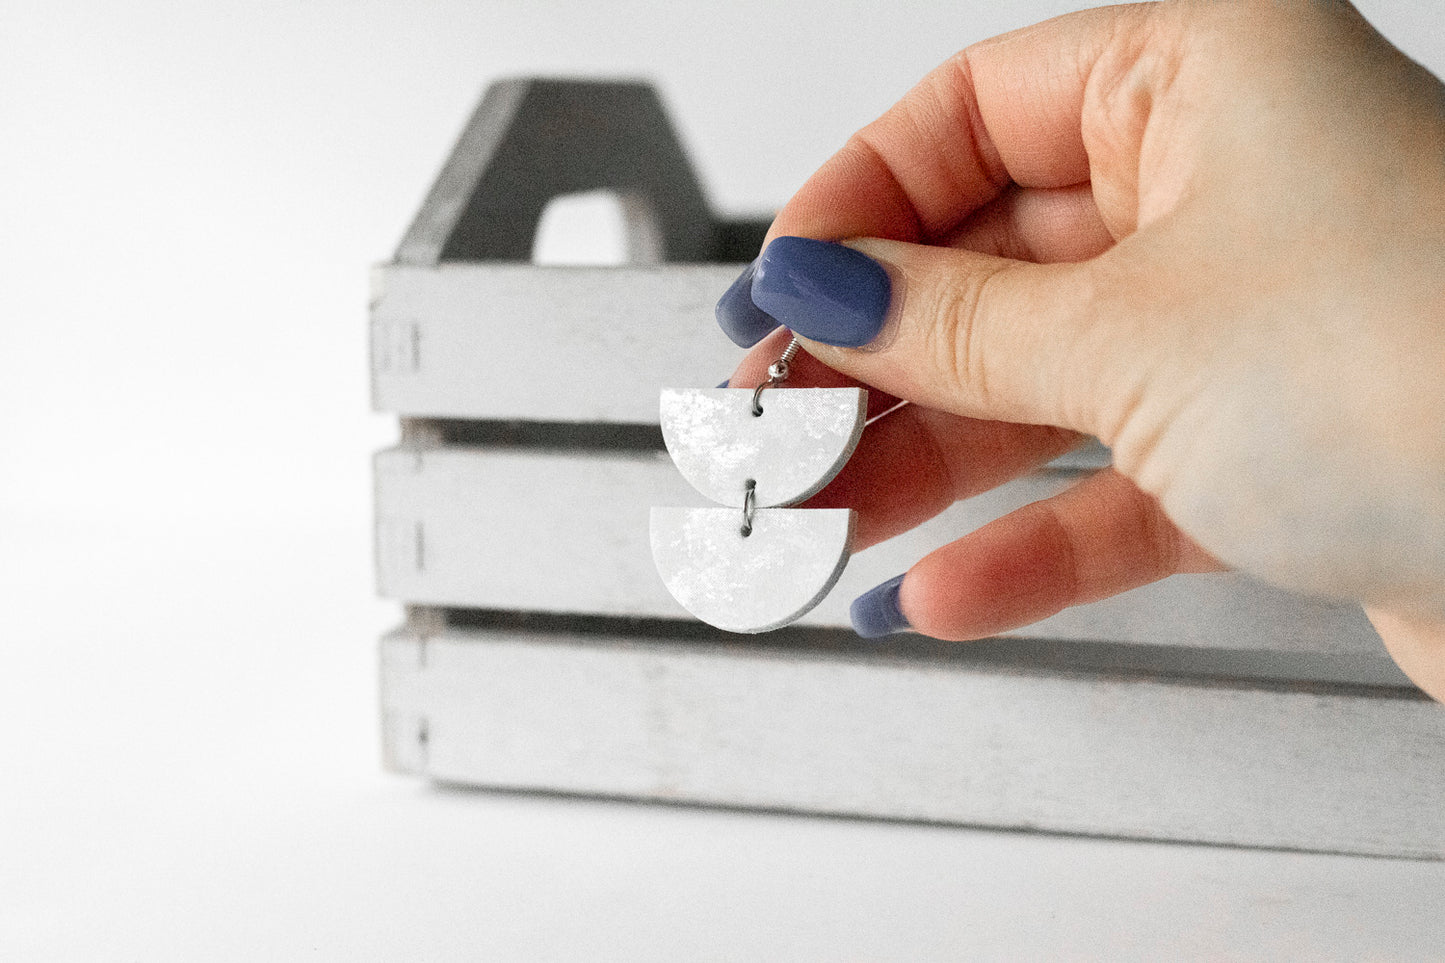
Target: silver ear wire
777,374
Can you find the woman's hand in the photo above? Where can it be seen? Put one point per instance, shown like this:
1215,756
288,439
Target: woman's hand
1211,234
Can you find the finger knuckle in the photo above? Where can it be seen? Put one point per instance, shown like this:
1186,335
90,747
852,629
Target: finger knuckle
957,343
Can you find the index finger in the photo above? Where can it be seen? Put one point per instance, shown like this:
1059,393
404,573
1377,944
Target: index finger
1007,110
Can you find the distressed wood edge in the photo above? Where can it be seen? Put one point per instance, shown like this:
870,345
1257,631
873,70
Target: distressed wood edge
532,139
404,692
421,434
483,552
1264,669
436,219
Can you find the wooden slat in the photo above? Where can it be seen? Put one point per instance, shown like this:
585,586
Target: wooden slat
567,532
567,344
994,746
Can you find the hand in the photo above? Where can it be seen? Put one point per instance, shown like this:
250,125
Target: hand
1212,235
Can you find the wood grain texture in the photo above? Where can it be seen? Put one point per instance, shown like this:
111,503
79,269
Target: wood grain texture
585,346
567,532
568,344
794,730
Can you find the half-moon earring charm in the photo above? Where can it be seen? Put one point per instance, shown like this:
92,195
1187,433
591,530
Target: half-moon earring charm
775,564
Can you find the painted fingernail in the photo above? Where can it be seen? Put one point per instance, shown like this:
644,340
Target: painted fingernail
876,612
823,291
738,316
725,383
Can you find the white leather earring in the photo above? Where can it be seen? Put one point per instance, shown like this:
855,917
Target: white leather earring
756,565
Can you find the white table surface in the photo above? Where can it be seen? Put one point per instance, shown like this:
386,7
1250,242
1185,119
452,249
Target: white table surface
188,741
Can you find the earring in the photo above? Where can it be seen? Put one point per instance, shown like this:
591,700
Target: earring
756,565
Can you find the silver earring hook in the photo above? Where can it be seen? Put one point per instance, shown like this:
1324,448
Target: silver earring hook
777,374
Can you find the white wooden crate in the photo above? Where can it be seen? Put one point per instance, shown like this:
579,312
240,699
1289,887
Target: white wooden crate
542,652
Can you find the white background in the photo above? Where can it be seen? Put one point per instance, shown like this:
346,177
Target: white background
190,196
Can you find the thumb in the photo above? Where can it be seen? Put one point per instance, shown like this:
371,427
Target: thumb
974,334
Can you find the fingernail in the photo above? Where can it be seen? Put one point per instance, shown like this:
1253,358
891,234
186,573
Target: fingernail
876,612
823,291
725,383
739,318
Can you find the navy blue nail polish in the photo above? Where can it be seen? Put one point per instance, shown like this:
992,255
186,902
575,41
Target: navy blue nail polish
823,291
725,383
739,318
876,612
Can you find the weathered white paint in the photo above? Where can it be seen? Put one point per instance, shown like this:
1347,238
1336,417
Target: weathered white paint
571,344
799,730
567,532
579,345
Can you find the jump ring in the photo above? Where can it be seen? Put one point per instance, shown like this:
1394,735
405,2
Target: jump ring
750,498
